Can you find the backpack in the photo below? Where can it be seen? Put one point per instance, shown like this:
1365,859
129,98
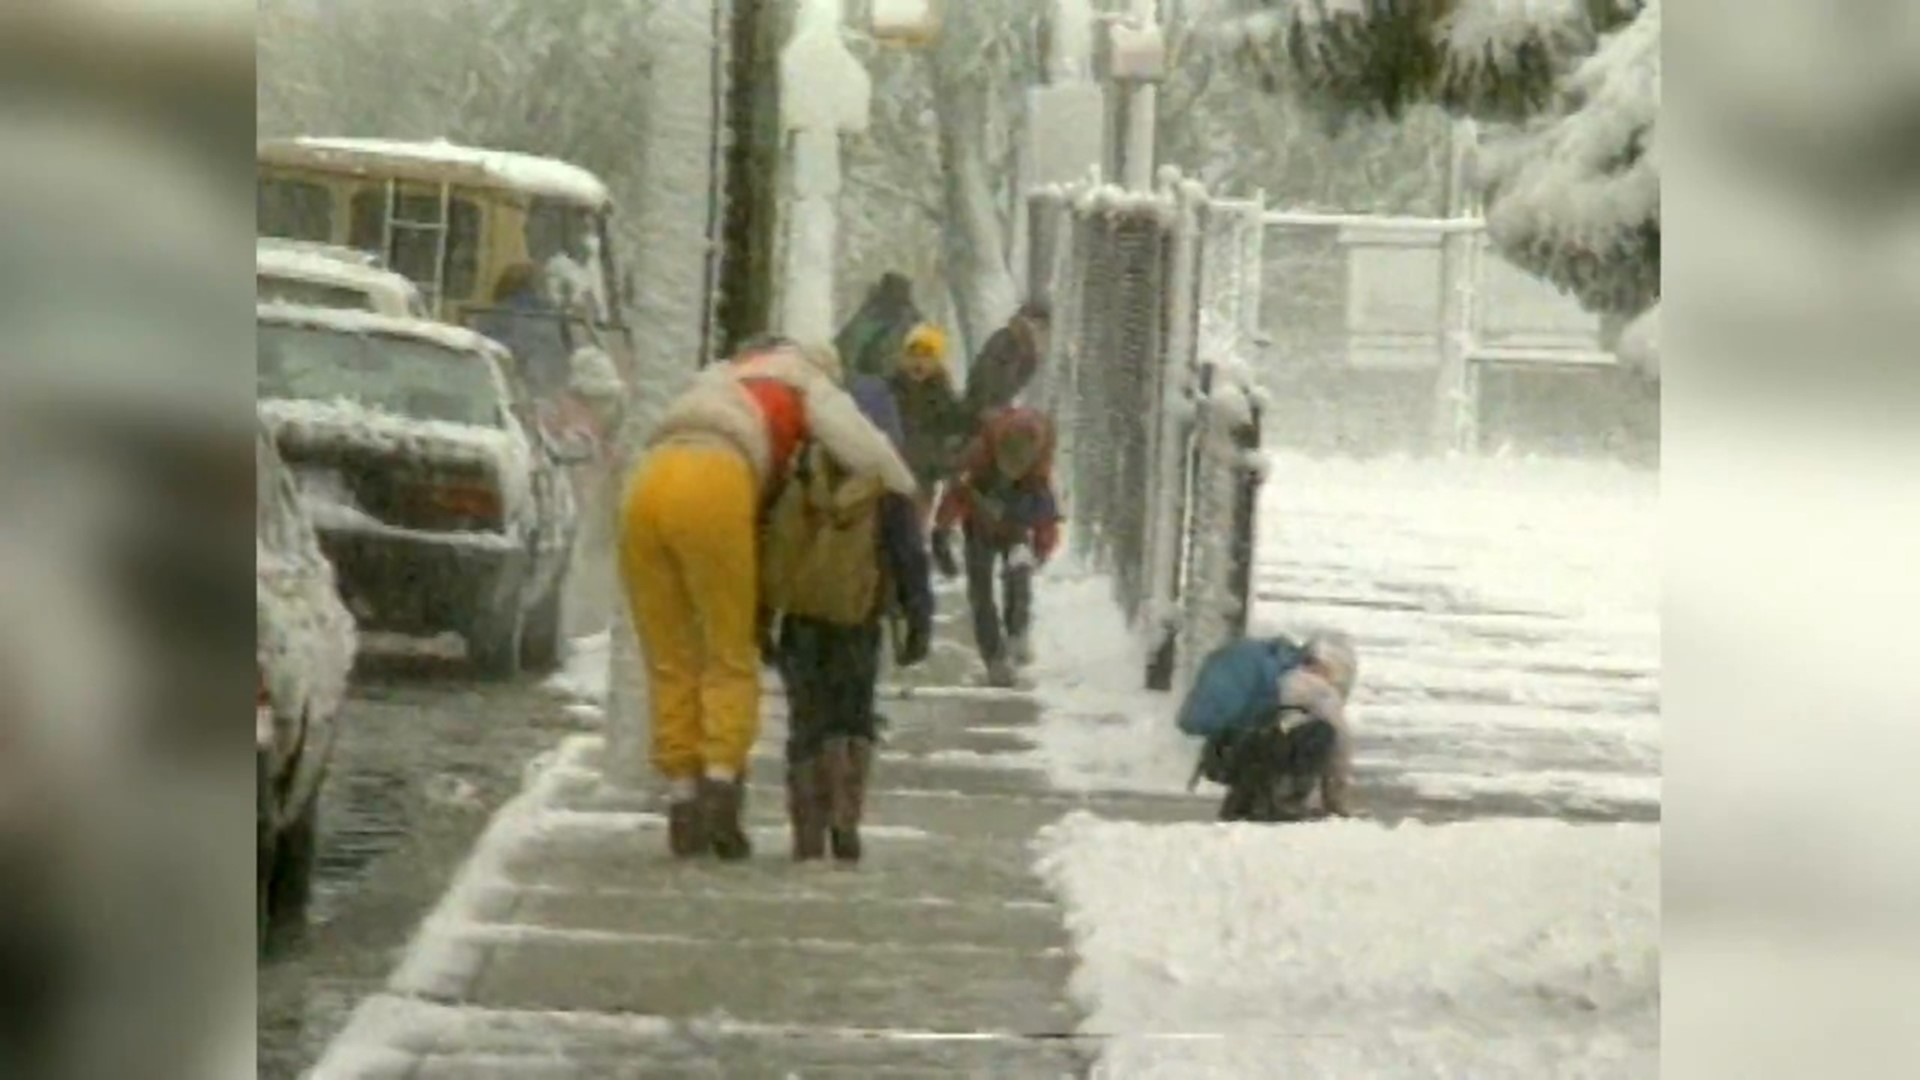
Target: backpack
820,545
1238,686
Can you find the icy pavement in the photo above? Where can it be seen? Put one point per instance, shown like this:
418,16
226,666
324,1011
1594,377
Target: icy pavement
571,945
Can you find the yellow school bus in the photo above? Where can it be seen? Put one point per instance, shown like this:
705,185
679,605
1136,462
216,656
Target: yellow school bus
452,219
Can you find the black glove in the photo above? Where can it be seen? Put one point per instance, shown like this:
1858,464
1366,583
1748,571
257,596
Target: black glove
918,642
943,561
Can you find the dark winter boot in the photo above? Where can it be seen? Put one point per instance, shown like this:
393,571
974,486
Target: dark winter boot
848,762
807,808
686,828
721,802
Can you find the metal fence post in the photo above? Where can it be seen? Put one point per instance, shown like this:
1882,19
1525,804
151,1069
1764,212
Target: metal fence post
1172,437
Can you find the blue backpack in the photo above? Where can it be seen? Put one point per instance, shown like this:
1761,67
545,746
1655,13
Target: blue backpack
1238,686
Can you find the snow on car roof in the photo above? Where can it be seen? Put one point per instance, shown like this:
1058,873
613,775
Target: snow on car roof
527,171
366,322
309,264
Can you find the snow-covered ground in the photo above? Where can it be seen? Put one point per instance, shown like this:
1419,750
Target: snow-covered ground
1490,949
1507,619
1506,613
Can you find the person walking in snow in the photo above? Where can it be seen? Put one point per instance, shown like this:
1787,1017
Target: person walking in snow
1002,498
870,343
530,326
931,418
844,558
1008,362
690,562
1273,716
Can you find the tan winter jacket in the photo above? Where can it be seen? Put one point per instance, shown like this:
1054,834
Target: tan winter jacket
718,408
1324,701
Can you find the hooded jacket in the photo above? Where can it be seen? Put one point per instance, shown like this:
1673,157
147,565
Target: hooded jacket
1003,509
766,404
1003,369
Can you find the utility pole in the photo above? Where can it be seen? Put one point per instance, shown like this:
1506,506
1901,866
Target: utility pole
753,158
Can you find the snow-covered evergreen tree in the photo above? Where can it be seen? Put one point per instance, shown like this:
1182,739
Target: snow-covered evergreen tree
1569,91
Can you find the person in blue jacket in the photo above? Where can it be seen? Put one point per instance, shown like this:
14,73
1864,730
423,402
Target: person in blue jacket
832,670
1273,716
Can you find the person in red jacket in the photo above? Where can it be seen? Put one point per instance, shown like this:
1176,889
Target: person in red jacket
1002,498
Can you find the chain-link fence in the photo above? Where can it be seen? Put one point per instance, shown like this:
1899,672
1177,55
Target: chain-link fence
1155,310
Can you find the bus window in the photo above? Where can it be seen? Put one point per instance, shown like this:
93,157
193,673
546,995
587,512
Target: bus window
413,248
556,228
294,209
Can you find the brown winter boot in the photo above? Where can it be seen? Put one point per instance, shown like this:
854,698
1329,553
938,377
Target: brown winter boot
686,829
848,762
721,802
807,808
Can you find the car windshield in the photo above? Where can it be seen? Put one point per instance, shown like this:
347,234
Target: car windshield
286,290
402,376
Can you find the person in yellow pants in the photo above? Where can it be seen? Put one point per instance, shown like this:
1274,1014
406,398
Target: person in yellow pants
689,563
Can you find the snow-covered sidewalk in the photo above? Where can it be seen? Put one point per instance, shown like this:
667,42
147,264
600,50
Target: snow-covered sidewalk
1506,614
1508,624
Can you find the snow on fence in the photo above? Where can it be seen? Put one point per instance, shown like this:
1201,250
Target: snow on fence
1156,306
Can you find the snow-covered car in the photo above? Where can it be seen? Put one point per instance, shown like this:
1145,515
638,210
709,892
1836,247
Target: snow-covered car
440,500
304,647
323,275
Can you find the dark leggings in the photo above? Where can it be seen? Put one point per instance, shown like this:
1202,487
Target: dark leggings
1269,774
990,627
830,672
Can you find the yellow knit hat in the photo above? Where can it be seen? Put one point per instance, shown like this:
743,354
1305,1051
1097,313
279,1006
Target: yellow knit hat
928,340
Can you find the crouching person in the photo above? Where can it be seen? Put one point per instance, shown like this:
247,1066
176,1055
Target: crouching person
689,562
843,555
1002,499
1273,714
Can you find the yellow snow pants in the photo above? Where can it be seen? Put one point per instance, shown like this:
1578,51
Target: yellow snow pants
688,562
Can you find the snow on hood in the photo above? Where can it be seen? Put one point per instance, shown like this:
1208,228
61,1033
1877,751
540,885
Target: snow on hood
367,322
342,424
529,172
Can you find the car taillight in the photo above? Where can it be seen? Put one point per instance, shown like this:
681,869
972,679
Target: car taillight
460,505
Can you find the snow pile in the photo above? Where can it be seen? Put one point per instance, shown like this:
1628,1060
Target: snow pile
1100,728
528,172
583,677
1493,949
